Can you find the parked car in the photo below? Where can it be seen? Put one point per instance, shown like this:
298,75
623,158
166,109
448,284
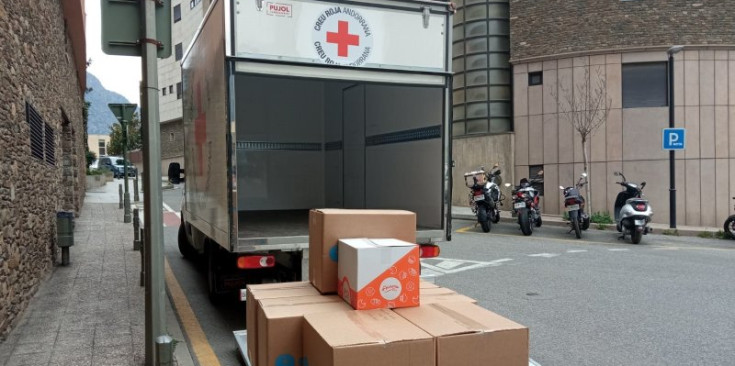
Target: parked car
116,165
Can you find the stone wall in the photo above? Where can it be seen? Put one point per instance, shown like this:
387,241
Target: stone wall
551,27
36,67
172,140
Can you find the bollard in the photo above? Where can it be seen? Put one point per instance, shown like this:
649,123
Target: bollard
121,195
136,198
136,230
65,233
164,351
142,257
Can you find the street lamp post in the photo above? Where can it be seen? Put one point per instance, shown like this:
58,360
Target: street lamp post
126,202
672,163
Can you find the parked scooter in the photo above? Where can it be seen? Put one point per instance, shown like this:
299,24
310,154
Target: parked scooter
632,212
574,205
485,196
730,225
526,203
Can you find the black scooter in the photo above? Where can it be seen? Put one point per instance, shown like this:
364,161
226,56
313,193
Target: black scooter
574,205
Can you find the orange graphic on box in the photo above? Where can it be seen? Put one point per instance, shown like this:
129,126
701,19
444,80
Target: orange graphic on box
396,286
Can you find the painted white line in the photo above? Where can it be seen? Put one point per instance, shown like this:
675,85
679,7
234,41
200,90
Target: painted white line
618,249
498,262
544,255
576,250
531,362
169,209
448,264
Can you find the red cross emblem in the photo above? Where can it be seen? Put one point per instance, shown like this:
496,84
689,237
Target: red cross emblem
343,38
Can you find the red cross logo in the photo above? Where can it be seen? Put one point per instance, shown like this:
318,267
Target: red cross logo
343,38
200,127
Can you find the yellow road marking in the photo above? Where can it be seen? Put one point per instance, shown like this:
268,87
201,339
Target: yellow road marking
199,344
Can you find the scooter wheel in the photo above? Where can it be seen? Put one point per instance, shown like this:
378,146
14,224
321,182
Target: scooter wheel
730,226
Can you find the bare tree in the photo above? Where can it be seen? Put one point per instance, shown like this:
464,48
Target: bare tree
588,106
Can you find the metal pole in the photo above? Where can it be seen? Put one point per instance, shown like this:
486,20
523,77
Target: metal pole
164,351
135,188
672,163
120,194
136,230
153,215
126,202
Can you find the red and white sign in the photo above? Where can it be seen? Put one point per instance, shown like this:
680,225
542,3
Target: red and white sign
279,10
342,36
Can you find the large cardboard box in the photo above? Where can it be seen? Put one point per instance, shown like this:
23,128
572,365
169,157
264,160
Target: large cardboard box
365,338
469,335
269,291
378,273
442,294
280,326
327,226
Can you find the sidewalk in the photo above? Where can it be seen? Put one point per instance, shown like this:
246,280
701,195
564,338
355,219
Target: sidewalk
465,213
91,312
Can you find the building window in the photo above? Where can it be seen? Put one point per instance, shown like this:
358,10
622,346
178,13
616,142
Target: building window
42,136
179,51
177,13
170,89
164,90
533,171
171,136
102,148
645,85
50,144
179,90
535,78
193,3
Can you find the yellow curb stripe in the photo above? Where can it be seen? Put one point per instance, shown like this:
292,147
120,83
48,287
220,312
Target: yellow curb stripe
199,344
464,229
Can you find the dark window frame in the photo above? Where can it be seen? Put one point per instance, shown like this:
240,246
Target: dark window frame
535,78
177,13
179,90
532,172
178,51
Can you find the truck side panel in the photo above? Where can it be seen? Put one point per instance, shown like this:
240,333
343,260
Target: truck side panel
206,130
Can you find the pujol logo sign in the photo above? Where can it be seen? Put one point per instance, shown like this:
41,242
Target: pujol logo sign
342,36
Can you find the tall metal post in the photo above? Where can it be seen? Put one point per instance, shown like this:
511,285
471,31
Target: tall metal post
152,205
126,202
672,161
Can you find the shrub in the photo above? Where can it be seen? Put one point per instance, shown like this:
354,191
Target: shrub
601,227
672,232
706,235
601,218
565,216
95,171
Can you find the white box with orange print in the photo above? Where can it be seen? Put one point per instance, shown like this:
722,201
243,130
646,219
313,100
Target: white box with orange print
378,273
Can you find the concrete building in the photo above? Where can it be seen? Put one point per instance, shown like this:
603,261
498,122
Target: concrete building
42,147
554,46
98,144
186,16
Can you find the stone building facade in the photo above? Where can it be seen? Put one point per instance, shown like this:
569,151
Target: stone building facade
556,45
42,140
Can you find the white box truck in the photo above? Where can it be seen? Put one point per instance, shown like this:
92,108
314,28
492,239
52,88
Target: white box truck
291,105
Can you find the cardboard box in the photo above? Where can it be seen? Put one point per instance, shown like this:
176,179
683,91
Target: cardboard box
269,291
378,273
426,284
280,326
327,226
365,338
441,294
466,334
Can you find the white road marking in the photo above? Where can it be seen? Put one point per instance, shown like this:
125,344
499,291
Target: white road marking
168,208
618,249
576,250
448,264
544,255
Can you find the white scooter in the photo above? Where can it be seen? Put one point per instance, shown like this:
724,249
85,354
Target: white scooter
632,212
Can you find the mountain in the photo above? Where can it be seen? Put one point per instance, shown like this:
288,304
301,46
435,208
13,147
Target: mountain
100,116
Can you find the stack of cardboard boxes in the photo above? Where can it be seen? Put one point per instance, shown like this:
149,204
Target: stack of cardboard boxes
383,313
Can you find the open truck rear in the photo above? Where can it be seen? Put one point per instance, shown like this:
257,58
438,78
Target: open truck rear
294,105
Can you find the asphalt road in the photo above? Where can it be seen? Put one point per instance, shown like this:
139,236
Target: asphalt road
595,301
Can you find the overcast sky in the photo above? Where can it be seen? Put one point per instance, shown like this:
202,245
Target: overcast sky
120,74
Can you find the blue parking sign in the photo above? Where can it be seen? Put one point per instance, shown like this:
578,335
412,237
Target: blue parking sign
674,138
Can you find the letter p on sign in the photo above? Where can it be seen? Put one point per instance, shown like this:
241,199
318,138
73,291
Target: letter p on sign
674,138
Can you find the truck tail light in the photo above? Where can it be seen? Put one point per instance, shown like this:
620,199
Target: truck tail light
429,250
256,261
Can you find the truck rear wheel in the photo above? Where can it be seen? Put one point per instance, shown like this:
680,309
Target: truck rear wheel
185,247
213,272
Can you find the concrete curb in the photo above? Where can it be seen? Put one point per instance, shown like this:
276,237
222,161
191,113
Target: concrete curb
557,221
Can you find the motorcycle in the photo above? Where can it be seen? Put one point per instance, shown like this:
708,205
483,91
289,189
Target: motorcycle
526,203
485,195
730,225
632,212
574,205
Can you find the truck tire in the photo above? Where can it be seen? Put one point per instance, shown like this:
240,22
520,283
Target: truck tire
525,222
185,247
213,271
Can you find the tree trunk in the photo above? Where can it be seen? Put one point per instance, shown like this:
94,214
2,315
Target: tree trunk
587,186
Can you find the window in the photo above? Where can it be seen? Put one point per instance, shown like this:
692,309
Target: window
645,85
42,136
164,90
179,51
179,90
533,171
101,146
535,78
170,136
193,3
177,13
170,89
